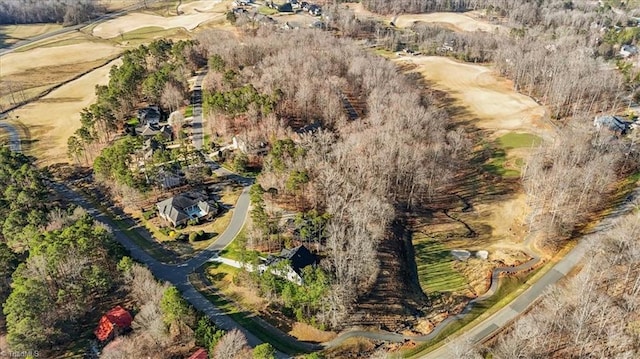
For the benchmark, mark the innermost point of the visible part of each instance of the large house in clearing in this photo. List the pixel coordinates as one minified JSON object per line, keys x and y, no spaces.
{"x":298,"y":258}
{"x":113,"y":323}
{"x":614,"y":124}
{"x":181,"y":208}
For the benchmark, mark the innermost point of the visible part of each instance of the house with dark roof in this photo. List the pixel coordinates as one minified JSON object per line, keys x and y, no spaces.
{"x":149,"y":115}
{"x":296,"y":260}
{"x":614,"y":124}
{"x":113,"y":323}
{"x":184,"y":207}
{"x":151,"y":130}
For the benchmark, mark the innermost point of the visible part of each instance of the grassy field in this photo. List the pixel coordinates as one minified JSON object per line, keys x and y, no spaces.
{"x":435,"y":268}
{"x":501,"y":165}
{"x":245,"y":318}
{"x":510,"y":288}
{"x":146,"y":34}
{"x":264,"y":10}
{"x":519,"y":140}
{"x":10,"y":34}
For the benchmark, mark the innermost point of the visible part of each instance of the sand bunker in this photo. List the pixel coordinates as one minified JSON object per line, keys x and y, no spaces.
{"x":490,"y":100}
{"x":461,"y":254}
{"x":193,"y":14}
{"x":17,"y":62}
{"x":54,"y":118}
{"x":456,"y":21}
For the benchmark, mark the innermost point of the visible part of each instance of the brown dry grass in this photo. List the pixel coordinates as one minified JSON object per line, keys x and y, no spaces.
{"x":195,"y":13}
{"x":454,"y":21}
{"x":14,"y":33}
{"x":305,"y":332}
{"x":54,"y":118}
{"x":490,"y":101}
{"x":470,"y":22}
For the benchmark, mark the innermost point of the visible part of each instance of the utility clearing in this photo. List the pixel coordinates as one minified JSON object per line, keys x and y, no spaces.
{"x":491,"y":214}
{"x":191,"y":16}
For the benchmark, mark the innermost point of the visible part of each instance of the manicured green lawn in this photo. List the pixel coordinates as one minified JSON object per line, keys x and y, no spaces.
{"x":264,"y":10}
{"x":498,"y":165}
{"x":519,"y":140}
{"x":435,"y":268}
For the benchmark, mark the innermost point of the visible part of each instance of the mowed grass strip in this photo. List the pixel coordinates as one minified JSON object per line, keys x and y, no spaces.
{"x":519,"y":140}
{"x":435,"y":268}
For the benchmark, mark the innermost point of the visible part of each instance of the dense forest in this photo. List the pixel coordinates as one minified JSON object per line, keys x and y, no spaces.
{"x":68,"y":12}
{"x":61,"y":270}
{"x":355,"y":173}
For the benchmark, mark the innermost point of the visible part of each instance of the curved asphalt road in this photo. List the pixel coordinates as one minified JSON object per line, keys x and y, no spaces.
{"x":178,"y":274}
{"x":196,"y":102}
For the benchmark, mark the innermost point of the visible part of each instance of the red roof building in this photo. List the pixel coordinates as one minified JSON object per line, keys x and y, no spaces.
{"x":113,"y":323}
{"x":199,"y":354}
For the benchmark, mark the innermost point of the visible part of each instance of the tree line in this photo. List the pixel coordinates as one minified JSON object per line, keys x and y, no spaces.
{"x":68,"y":12}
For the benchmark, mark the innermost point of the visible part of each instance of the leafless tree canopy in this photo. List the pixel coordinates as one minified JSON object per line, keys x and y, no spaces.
{"x":46,"y":11}
{"x":396,"y":154}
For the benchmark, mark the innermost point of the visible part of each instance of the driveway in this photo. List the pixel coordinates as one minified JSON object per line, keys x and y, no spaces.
{"x":196,"y":102}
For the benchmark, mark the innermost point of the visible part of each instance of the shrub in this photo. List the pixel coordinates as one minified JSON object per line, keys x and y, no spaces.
{"x":147,"y":215}
{"x":193,"y":236}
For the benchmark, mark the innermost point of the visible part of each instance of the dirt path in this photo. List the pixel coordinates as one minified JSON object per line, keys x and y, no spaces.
{"x":193,"y":14}
{"x":54,"y":118}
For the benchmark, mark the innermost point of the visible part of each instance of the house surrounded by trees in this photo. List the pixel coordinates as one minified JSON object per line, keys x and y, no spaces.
{"x":289,"y":263}
{"x":184,"y":207}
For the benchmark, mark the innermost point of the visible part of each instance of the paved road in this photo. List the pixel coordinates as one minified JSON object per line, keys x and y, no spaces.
{"x":506,"y":315}
{"x":196,"y":102}
{"x":68,"y":29}
{"x":178,"y":274}
{"x":14,"y":136}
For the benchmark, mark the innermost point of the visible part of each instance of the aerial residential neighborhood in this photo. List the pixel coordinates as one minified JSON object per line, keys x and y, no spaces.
{"x":315,"y":179}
